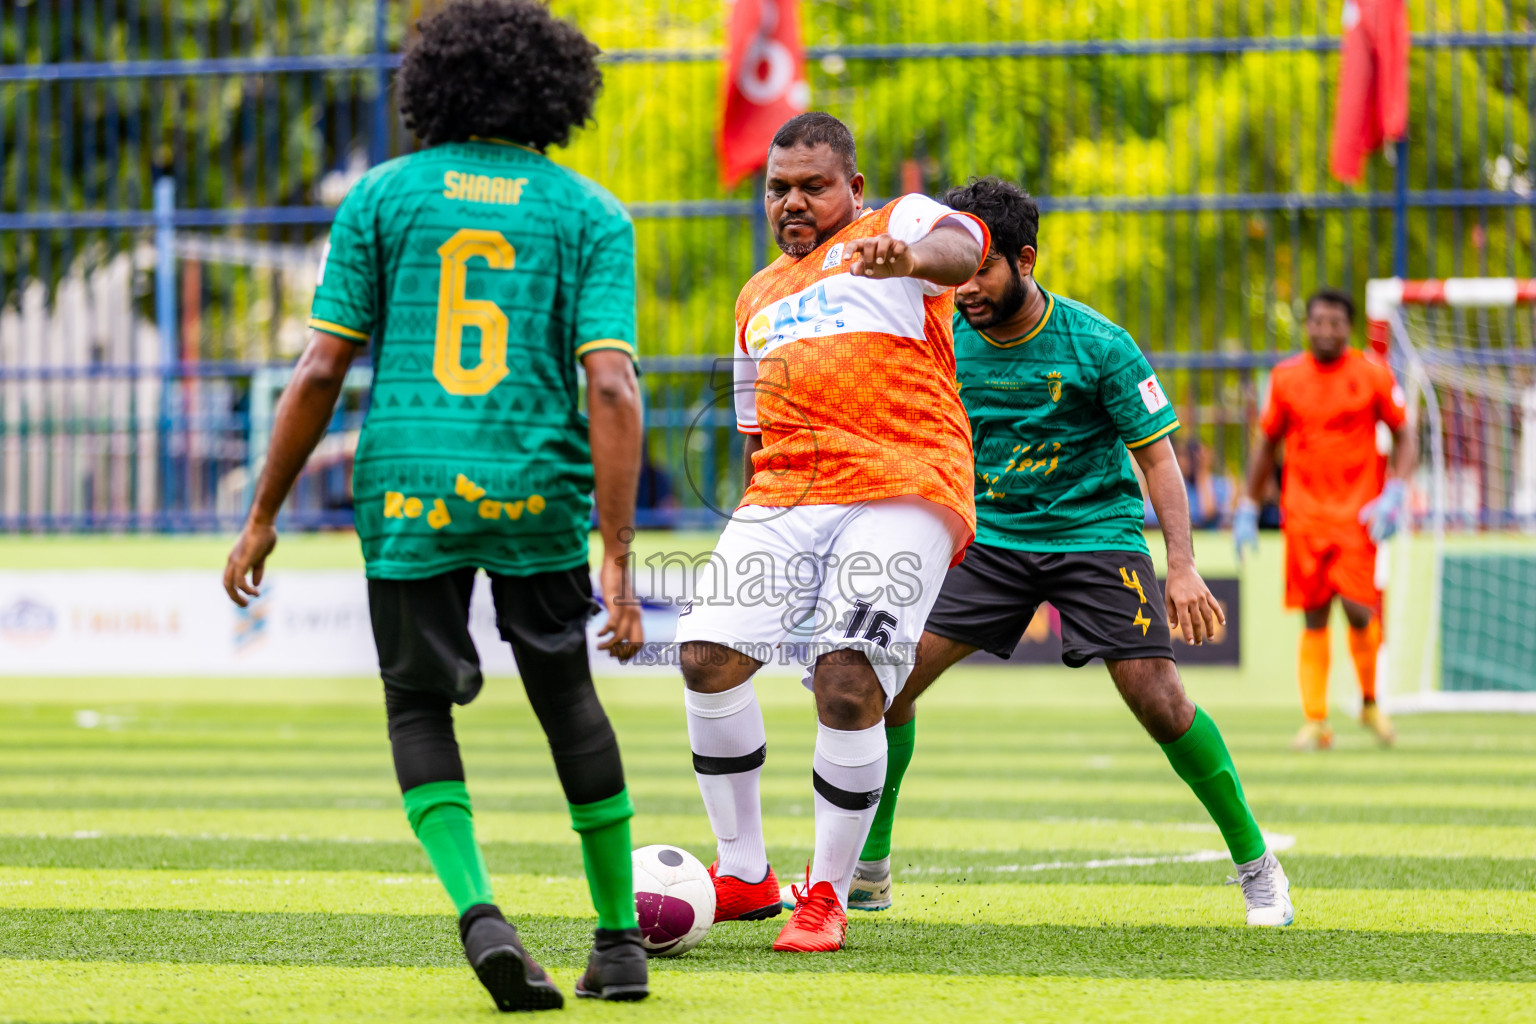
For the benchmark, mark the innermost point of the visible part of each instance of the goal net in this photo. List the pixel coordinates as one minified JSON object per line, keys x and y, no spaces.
{"x":1461,"y":579}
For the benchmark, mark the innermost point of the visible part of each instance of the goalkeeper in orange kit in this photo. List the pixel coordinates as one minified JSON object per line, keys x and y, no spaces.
{"x":1337,"y":501}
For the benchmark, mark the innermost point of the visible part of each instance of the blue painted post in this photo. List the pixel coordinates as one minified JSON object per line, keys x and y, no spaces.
{"x":165,"y":322}
{"x":759,"y":222}
{"x":1400,"y":206}
{"x":378,"y":142}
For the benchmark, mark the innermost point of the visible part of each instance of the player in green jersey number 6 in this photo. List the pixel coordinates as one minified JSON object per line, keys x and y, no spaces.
{"x":1056,"y":394}
{"x":454,"y":265}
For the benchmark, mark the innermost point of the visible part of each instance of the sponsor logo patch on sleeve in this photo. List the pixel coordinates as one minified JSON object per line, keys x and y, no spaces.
{"x":834,"y":257}
{"x":1152,"y":394}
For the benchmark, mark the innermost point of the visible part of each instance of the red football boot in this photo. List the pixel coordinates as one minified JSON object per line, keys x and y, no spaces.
{"x":818,"y":924}
{"x":736,"y":900}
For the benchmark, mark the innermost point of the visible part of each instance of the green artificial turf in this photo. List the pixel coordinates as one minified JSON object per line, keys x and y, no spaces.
{"x":210,"y":851}
{"x":877,"y":945}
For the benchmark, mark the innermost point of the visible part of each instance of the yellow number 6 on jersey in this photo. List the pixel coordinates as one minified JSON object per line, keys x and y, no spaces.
{"x":456,"y":312}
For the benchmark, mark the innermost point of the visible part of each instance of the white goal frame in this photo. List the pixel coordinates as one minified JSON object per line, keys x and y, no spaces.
{"x":1387,"y":332}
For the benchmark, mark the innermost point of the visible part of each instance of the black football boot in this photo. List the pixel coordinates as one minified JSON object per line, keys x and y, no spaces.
{"x":506,"y":970}
{"x":616,"y":969}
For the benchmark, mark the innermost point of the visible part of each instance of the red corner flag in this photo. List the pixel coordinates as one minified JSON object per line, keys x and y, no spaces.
{"x":764,"y":83}
{"x":1372,"y":105}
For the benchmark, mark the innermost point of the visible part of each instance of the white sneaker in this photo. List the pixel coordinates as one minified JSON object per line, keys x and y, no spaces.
{"x":869,"y":891}
{"x":865,"y":893}
{"x":1266,"y":890}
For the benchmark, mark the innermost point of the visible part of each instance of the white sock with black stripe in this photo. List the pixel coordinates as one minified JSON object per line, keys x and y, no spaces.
{"x":729,"y":745}
{"x":848,"y":773}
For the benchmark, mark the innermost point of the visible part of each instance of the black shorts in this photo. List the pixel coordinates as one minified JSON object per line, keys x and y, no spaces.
{"x":421,"y":627}
{"x":1110,"y":604}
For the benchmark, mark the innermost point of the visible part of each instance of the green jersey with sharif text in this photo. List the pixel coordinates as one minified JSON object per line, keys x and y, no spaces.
{"x":480,"y":272}
{"x":1052,"y":416}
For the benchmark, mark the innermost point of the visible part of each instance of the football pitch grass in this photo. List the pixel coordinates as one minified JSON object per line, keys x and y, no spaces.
{"x":183,"y":850}
{"x":243,"y":857}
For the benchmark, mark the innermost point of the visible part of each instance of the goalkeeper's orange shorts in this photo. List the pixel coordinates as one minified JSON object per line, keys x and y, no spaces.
{"x":1320,"y":563}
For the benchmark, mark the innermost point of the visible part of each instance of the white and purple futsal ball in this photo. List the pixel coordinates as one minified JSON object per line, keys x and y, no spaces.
{"x":674,"y":899}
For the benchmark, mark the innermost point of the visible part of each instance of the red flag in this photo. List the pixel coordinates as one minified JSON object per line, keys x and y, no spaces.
{"x":1372,"y":105}
{"x":764,"y":83}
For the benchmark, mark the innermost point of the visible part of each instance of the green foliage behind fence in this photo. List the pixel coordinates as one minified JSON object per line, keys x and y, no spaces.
{"x":1186,"y":184}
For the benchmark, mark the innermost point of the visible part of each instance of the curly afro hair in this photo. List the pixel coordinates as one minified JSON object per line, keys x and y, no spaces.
{"x":1008,"y":211}
{"x":498,"y":68}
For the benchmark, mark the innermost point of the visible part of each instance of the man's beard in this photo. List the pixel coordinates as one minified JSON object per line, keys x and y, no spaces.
{"x":799,"y":250}
{"x":1001,"y":311}
{"x":1329,"y":353}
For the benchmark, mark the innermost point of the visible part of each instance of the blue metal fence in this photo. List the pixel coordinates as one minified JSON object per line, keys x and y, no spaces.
{"x":168,"y":169}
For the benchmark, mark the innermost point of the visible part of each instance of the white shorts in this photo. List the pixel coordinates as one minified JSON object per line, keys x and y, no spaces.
{"x":786,"y":585}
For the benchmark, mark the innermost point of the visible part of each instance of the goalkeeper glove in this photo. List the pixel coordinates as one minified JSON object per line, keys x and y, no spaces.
{"x":1245,"y":527}
{"x":1383,"y":516}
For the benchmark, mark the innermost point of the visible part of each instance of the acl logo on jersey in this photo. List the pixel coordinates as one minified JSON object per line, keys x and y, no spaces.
{"x":782,"y":320}
{"x":840,"y":304}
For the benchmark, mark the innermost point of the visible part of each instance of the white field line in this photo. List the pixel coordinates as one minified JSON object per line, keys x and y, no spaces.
{"x":1177,"y":826}
{"x":211,"y":836}
{"x":1278,"y":842}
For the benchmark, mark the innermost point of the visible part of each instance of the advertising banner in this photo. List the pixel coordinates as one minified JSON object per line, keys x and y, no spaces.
{"x":117,"y":622}
{"x":137,"y":623}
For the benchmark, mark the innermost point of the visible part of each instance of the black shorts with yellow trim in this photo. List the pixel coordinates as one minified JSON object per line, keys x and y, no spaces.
{"x":1110,"y":604}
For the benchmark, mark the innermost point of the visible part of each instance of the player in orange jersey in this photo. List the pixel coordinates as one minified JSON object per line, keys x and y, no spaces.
{"x":859,"y":499}
{"x":1337,"y":501}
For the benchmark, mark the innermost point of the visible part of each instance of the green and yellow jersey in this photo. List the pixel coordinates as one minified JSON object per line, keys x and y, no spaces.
{"x":1052,"y":416}
{"x":481,"y":273}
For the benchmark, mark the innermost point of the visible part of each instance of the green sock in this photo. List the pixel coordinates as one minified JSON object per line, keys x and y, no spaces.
{"x":440,"y":816}
{"x":1201,"y":759}
{"x":605,"y":853}
{"x":900,"y":740}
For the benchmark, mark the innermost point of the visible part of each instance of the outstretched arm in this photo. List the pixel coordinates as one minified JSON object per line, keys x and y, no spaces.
{"x":947,"y":255}
{"x":614,"y":429}
{"x":303,"y":412}
{"x":1192,"y":609}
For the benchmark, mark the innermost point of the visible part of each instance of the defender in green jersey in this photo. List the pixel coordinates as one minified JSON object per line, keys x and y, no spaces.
{"x":481,"y":276}
{"x":1052,"y":413}
{"x":1060,"y":401}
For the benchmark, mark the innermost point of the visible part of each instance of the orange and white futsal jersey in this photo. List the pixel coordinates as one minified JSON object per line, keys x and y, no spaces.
{"x":851,"y":380}
{"x":861,"y":497}
{"x":1326,"y":414}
